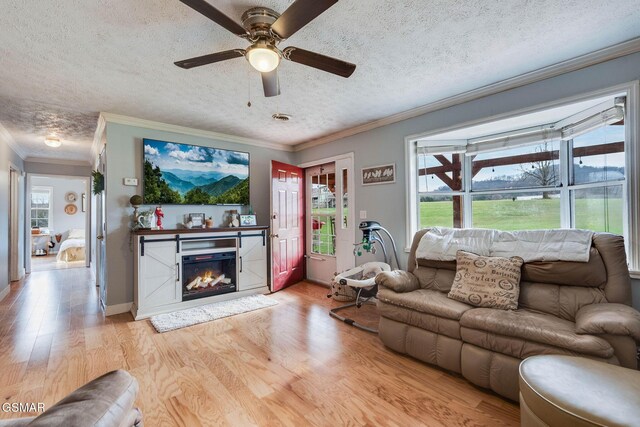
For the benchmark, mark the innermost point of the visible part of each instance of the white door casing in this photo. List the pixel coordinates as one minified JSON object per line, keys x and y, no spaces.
{"x":321,"y":267}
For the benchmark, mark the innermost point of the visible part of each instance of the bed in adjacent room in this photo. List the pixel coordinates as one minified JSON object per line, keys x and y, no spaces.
{"x":73,"y":248}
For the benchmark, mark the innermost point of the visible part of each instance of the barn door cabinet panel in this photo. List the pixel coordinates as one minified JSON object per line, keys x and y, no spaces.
{"x":252,"y":263}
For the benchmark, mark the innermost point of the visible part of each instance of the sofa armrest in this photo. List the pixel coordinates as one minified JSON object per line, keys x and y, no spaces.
{"x":398,"y":281}
{"x":105,"y":401}
{"x":608,"y":318}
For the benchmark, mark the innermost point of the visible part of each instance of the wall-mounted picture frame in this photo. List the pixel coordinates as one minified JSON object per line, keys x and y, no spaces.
{"x":197,"y":220}
{"x":248,"y":220}
{"x":383,"y":174}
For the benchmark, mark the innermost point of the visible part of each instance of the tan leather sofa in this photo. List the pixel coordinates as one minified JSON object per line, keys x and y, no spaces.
{"x":570,"y":308}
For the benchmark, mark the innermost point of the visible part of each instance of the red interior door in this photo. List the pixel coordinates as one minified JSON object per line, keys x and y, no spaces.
{"x":287,"y":225}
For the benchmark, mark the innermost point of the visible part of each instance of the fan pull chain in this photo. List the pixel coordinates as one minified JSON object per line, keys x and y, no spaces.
{"x":249,"y":87}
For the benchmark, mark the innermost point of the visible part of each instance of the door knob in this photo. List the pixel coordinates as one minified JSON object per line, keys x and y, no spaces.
{"x":274,"y":235}
{"x":100,"y":237}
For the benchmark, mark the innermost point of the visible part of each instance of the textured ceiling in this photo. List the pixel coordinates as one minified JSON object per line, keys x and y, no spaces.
{"x":63,"y":62}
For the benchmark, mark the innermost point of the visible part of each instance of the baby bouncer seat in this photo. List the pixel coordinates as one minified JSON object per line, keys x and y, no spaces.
{"x":360,"y":282}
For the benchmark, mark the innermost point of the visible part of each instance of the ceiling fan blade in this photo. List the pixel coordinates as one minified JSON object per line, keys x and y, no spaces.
{"x":299,"y":14}
{"x":270,"y":83}
{"x":321,"y":62}
{"x":216,"y":16}
{"x":210,"y":59}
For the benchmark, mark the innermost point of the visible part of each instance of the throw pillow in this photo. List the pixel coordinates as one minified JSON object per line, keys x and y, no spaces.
{"x":482,"y":281}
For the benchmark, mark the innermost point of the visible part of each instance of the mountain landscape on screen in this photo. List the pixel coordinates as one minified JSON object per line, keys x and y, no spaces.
{"x":194,"y":175}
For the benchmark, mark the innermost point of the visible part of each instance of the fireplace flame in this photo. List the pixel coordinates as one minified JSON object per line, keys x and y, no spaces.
{"x":208,"y":280}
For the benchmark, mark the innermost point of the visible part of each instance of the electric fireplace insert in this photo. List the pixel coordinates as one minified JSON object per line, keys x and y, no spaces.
{"x":204,"y":275}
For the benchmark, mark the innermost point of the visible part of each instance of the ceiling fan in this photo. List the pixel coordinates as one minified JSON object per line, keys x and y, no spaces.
{"x":265,"y":29}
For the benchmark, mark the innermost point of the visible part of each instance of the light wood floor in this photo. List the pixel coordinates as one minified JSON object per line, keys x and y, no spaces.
{"x":290,"y":364}
{"x":49,"y":262}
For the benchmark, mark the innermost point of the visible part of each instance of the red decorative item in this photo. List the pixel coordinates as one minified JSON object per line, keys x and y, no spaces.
{"x":159,"y":215}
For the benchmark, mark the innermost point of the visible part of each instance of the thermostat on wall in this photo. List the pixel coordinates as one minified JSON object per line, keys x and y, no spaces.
{"x":131,"y":181}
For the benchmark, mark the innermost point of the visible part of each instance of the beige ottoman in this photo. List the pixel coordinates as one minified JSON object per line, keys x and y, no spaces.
{"x":574,"y":391}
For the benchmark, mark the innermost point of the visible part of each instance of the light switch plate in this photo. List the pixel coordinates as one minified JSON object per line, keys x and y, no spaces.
{"x":131,"y":181}
{"x":363,"y":214}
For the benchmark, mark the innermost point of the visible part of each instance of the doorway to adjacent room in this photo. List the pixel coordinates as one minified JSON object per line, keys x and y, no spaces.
{"x":58,"y":215}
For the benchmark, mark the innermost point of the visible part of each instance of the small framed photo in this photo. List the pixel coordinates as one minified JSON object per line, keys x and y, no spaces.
{"x":197,"y":220}
{"x":384,"y":174}
{"x":247,"y":220}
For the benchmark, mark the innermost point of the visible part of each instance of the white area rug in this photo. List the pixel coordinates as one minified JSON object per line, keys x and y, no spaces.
{"x":192,"y":316}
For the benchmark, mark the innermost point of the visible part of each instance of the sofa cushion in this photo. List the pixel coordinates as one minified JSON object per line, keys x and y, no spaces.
{"x":537,"y":327}
{"x":426,"y":301}
{"x":487,"y":281}
{"x":519,"y":347}
{"x":438,"y":279}
{"x":436,"y":324}
{"x":585,"y":274}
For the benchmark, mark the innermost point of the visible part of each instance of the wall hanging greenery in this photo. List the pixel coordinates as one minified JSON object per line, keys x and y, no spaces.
{"x":98,"y":182}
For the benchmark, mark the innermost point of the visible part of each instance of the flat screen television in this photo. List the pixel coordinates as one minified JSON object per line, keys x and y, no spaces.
{"x":181,"y":174}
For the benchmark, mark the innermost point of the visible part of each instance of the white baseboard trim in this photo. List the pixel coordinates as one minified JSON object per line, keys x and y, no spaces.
{"x":110,"y":310}
{"x":4,"y":292}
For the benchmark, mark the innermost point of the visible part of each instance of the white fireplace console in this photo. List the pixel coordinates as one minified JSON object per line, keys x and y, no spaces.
{"x":166,"y":262}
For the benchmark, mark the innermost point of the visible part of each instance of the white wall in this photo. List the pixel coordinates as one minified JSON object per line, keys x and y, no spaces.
{"x":124,"y":160}
{"x":7,"y":156}
{"x":387,"y":203}
{"x":61,"y":221}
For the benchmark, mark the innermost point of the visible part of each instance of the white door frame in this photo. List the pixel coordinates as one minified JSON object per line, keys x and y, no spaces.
{"x":344,"y":241}
{"x":16,"y":271}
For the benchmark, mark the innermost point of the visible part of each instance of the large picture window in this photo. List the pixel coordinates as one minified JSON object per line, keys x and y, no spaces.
{"x":570,"y":173}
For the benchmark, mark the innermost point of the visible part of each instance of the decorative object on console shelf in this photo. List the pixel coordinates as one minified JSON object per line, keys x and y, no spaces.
{"x":209,"y":222}
{"x":196,"y":220}
{"x":144,"y":220}
{"x":233,"y":219}
{"x":135,"y":201}
{"x":248,"y":220}
{"x":385,"y":174}
{"x":159,"y":215}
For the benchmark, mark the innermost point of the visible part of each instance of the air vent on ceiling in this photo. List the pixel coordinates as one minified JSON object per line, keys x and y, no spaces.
{"x":280,"y":117}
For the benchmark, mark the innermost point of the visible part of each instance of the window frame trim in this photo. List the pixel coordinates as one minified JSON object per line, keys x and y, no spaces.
{"x":36,"y":189}
{"x":631,"y":214}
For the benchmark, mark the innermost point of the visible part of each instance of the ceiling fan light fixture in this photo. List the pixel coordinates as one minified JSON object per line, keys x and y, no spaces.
{"x":52,"y":142}
{"x":264,"y":58}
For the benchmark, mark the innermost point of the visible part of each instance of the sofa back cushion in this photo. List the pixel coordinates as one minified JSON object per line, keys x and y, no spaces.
{"x":560,"y":288}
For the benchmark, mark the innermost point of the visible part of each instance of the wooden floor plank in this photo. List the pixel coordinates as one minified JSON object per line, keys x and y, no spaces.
{"x":290,"y":364}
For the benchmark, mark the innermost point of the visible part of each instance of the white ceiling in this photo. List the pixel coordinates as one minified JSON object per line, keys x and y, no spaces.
{"x":64,"y":62}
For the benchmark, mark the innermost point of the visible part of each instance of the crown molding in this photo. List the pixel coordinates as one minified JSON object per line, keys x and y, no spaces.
{"x":149,"y":124}
{"x":54,"y":161}
{"x":599,"y":56}
{"x":6,"y":137}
